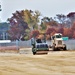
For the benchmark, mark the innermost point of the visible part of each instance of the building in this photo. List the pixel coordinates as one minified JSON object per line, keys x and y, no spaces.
{"x":4,"y":27}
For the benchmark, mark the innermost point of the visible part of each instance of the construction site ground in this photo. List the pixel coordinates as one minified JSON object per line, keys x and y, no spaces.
{"x":25,"y":63}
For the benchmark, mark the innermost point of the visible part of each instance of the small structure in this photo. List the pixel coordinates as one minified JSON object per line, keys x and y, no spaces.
{"x":4,"y":27}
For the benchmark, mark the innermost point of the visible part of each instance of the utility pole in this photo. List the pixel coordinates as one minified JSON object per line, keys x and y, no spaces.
{"x":0,"y":8}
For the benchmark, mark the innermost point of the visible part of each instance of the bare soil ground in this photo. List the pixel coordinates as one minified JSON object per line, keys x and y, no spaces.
{"x":54,"y":63}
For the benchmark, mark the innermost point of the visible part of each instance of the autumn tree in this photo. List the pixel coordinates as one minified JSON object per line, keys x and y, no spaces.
{"x":71,"y":16}
{"x":17,"y":25}
{"x":50,"y":32}
{"x":73,"y":35}
{"x":32,"y":18}
{"x":44,"y":23}
{"x":24,"y":22}
{"x":73,"y":30}
{"x":34,"y":33}
{"x":61,"y":18}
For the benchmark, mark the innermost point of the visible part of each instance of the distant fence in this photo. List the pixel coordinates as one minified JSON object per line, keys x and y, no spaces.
{"x":14,"y":44}
{"x":27,"y":44}
{"x":24,"y":43}
{"x":69,"y":43}
{"x":8,"y":46}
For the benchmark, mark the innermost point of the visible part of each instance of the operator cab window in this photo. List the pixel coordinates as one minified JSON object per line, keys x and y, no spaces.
{"x":58,"y":36}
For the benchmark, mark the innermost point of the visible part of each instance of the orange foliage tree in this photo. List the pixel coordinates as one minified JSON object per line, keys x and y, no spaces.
{"x":34,"y":33}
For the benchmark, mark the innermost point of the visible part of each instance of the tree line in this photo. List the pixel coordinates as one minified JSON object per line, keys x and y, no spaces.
{"x":26,"y":24}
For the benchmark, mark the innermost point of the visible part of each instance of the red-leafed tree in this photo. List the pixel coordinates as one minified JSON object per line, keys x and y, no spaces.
{"x":73,"y":35}
{"x":71,"y":17}
{"x":17,"y":25}
{"x":73,"y":30}
{"x":60,"y":30}
{"x":50,"y":31}
{"x":34,"y":33}
{"x":24,"y":22}
{"x":67,"y":32}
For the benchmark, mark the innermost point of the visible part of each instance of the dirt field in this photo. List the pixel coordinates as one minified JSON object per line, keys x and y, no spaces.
{"x":54,"y":63}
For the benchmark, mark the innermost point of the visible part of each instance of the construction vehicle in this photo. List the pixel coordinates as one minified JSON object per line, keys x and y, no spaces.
{"x":57,"y":42}
{"x":39,"y":46}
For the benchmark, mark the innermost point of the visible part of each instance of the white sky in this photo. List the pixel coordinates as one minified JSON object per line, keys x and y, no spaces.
{"x":47,"y":7}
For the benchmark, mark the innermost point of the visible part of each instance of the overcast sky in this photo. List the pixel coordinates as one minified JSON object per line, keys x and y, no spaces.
{"x":47,"y":7}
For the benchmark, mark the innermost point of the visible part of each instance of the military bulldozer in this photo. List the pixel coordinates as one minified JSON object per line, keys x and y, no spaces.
{"x":57,"y":42}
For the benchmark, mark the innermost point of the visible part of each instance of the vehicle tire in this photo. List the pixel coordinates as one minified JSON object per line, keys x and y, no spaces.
{"x":34,"y":53}
{"x":65,"y":48}
{"x":54,"y":49}
{"x":50,"y":46}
